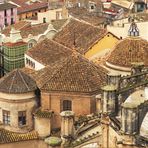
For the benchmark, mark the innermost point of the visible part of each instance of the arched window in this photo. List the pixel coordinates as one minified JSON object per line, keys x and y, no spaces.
{"x":67,"y":105}
{"x":30,"y":45}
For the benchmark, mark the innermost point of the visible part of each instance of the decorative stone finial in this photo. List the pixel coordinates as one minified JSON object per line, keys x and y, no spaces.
{"x":15,"y":35}
{"x":133,"y":30}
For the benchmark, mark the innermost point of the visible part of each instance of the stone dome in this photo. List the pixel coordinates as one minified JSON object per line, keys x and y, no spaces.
{"x":129,"y":50}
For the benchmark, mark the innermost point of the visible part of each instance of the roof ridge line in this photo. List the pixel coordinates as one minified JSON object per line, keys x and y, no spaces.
{"x":23,"y":79}
{"x":54,"y":41}
{"x":25,"y":25}
{"x":58,"y":69}
{"x":83,"y":21}
{"x":66,"y":23}
{"x":62,"y":65}
{"x":12,"y":82}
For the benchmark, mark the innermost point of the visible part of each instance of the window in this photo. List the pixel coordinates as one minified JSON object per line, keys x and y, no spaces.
{"x":30,"y":63}
{"x":12,"y":21}
{"x":30,"y":45}
{"x":58,"y":15}
{"x":11,"y":11}
{"x":6,"y":117}
{"x":44,"y":20}
{"x":92,"y":7}
{"x":21,"y":118}
{"x":5,"y":12}
{"x":67,"y":105}
{"x":6,"y":22}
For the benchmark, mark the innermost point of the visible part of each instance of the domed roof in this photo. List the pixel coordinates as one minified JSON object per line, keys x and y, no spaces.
{"x":130,"y":50}
{"x":17,"y":82}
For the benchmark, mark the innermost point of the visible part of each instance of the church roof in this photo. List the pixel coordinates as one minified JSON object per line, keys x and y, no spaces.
{"x":128,"y":51}
{"x":74,"y":74}
{"x":17,"y":82}
{"x":79,"y":35}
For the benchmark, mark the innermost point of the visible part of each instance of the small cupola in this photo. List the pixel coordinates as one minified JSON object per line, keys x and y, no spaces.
{"x":133,"y":30}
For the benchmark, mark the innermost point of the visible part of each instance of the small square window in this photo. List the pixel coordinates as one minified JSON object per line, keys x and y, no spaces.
{"x":67,"y":105}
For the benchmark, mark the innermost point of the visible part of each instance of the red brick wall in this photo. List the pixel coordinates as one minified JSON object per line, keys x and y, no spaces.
{"x":81,"y":104}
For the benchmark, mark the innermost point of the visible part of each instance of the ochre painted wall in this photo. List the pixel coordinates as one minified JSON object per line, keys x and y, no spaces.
{"x":102,"y":47}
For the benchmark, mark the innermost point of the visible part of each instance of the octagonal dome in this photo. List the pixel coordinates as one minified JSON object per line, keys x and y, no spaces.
{"x":17,"y":82}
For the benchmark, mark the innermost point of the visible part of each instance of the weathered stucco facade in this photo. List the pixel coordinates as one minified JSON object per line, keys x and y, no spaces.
{"x":17,"y":102}
{"x":14,"y":103}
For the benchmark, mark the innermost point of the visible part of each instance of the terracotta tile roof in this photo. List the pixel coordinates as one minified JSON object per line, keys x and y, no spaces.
{"x":79,"y":35}
{"x":17,"y":82}
{"x":84,"y":2}
{"x":6,"y":6}
{"x":43,"y":113}
{"x":28,"y":71}
{"x":18,"y":26}
{"x":84,"y":14}
{"x":9,"y":44}
{"x":34,"y":30}
{"x":129,"y":50}
{"x":57,"y":24}
{"x":9,"y":137}
{"x":49,"y":52}
{"x":74,"y":74}
{"x":26,"y":28}
{"x":26,"y":7}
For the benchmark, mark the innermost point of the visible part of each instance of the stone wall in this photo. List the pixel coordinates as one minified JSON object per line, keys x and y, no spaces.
{"x":16,"y":105}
